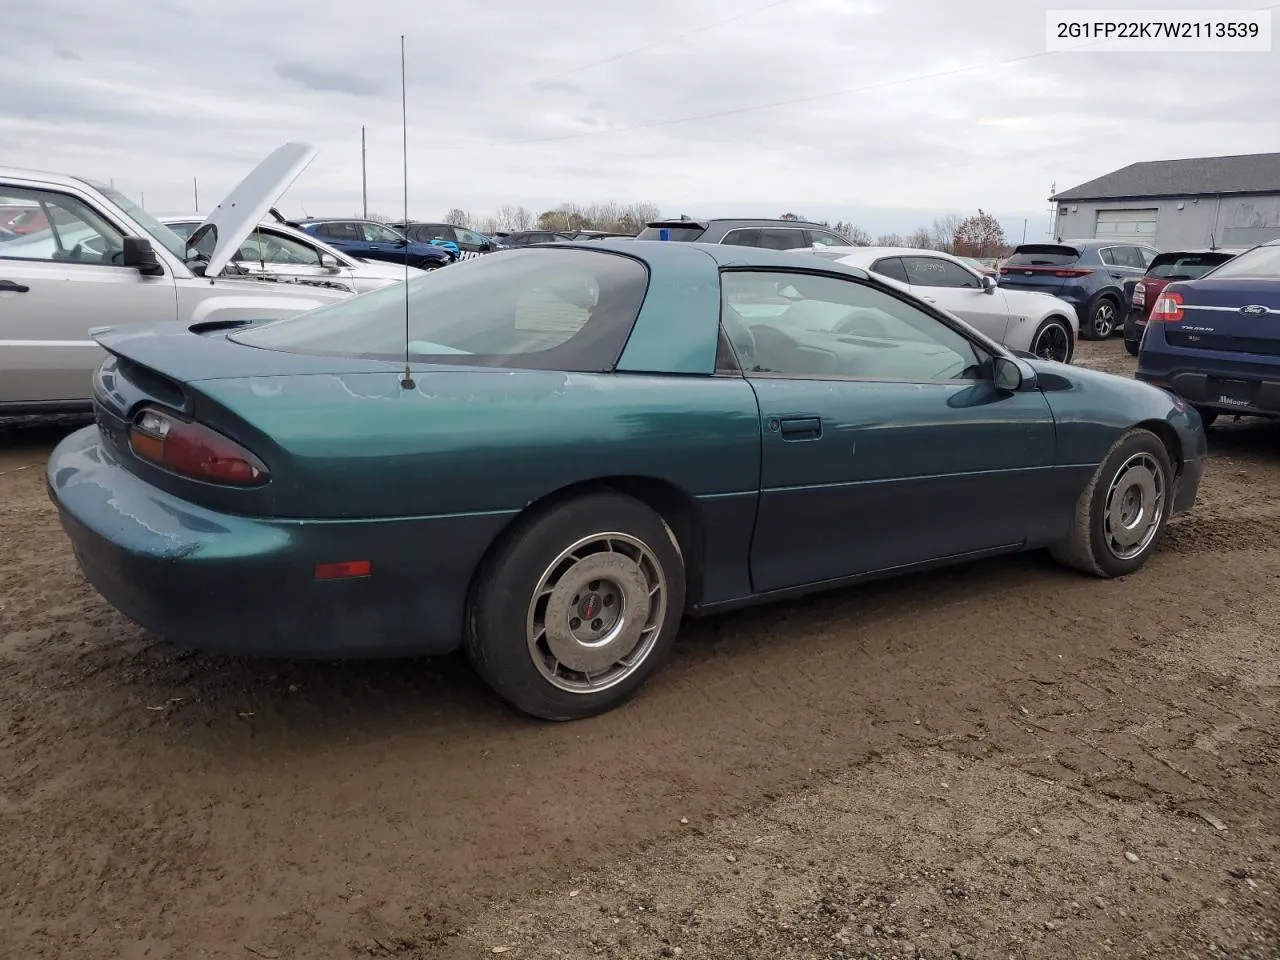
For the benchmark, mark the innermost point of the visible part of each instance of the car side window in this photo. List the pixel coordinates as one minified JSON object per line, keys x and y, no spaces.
{"x":892,"y":268}
{"x":742,"y":237}
{"x":340,"y":230}
{"x":273,"y":248}
{"x":936,"y":272}
{"x":377,"y":233}
{"x":827,"y":239}
{"x":1130,"y":257}
{"x":468,"y":236}
{"x":813,"y":326}
{"x":1147,"y":255}
{"x":1108,"y":256}
{"x":66,"y":230}
{"x":782,"y":238}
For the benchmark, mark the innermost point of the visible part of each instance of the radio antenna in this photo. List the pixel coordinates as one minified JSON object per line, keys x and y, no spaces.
{"x":406,"y":380}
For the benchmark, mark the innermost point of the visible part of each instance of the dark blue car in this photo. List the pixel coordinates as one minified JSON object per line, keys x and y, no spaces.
{"x":371,"y":240}
{"x":1088,"y":274}
{"x":1215,"y":341}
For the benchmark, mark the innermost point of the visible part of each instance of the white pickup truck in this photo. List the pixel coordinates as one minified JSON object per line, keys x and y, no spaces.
{"x":93,"y":258}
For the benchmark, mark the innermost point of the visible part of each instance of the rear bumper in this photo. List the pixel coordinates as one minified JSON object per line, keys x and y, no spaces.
{"x":1211,"y":380}
{"x":246,"y":585}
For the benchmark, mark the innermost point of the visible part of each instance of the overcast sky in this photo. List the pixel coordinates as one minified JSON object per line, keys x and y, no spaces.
{"x":536,"y":102}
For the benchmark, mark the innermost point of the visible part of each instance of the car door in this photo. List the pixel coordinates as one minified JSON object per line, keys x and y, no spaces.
{"x":958,"y":290}
{"x":885,"y":443}
{"x":57,"y":282}
{"x":345,"y":235}
{"x":470,"y":243}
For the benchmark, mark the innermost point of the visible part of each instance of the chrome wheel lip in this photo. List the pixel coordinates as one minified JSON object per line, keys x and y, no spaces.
{"x":1042,"y":351}
{"x":1134,"y":507}
{"x":588,"y":661}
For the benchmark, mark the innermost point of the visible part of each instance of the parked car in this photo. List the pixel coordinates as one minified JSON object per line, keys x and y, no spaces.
{"x":276,"y":251}
{"x":768,"y":234}
{"x":1141,"y":295}
{"x":1215,"y":341}
{"x":370,"y":240}
{"x":465,"y":243}
{"x":589,"y":441}
{"x":104,"y":260}
{"x":983,"y":268}
{"x":601,"y":235}
{"x":1088,"y":274}
{"x":527,"y":238}
{"x":1036,"y":323}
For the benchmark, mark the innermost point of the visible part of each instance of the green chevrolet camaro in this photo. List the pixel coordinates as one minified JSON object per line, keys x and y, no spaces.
{"x":548,"y":456}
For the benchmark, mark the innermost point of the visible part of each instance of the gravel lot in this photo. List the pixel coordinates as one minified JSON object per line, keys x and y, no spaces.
{"x":1002,"y":760}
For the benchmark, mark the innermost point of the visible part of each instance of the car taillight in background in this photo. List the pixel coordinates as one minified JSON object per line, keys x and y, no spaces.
{"x":1073,"y":272}
{"x":1055,"y":271}
{"x":193,"y":450}
{"x":1140,"y":294}
{"x":1167,"y":309}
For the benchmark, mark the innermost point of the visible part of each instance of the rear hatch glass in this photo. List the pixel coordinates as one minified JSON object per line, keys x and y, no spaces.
{"x":1185,"y":266}
{"x":687,"y":232}
{"x":1038,"y":266}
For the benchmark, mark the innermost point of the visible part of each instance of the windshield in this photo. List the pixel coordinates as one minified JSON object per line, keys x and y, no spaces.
{"x":1185,"y":266}
{"x":547,"y":309}
{"x":1262,"y":263}
{"x":158,"y":231}
{"x":676,"y":233}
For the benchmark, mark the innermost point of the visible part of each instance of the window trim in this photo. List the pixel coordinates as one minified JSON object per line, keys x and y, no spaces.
{"x":986,"y":350}
{"x":106,"y":217}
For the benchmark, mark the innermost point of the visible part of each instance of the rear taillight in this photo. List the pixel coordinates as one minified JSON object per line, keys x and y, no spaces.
{"x":1167,"y":309}
{"x":193,"y":450}
{"x":1004,"y":271}
{"x":1140,"y":294}
{"x":1073,"y":272}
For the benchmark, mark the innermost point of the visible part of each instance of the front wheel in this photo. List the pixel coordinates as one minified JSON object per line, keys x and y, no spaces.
{"x":578,"y":607}
{"x":430,"y":265}
{"x":1120,"y":517}
{"x":1101,"y":322}
{"x":1053,"y":341}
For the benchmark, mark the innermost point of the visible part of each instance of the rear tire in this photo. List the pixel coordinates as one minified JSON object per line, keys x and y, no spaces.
{"x":1121,"y":515}
{"x":430,"y":265}
{"x":1102,"y":320}
{"x":1053,"y":341}
{"x":1132,"y":347}
{"x":578,"y":607}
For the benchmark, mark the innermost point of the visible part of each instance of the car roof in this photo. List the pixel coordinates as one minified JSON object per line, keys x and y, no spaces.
{"x":59,"y":179}
{"x":725,"y":255}
{"x":743,"y":221}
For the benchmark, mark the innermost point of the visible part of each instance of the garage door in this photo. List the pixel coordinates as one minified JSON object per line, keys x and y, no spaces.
{"x":1138,"y":226}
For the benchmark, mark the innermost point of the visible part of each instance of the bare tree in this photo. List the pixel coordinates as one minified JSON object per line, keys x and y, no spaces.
{"x":921,"y":239}
{"x":890,"y":240}
{"x":980,"y":236}
{"x":944,"y":232}
{"x":378,"y":217}
{"x":792,"y":216}
{"x":514,"y":218}
{"x":458,"y":217}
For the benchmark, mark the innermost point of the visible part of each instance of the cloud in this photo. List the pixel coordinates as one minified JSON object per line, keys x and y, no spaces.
{"x":332,"y":81}
{"x":831,"y":107}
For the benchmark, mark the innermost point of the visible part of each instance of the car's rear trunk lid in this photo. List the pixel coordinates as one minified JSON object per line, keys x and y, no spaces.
{"x":1233,"y":315}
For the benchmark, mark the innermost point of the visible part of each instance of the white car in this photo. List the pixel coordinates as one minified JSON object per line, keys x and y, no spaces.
{"x":276,"y":251}
{"x":1035,"y":323}
{"x":102,"y":260}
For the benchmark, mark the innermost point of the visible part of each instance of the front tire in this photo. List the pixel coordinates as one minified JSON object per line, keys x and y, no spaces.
{"x":1121,"y":515}
{"x":430,"y":265}
{"x":1132,"y":346}
{"x":1053,"y":341}
{"x":1102,"y":320}
{"x":578,"y":607}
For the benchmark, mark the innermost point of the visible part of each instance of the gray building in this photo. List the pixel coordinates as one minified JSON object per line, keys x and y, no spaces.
{"x":1172,"y":204}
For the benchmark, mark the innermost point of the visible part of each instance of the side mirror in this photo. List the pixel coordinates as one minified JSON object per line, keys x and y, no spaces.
{"x":988,"y":283}
{"x":1012,"y":375}
{"x":329,"y":264}
{"x":137,"y":252}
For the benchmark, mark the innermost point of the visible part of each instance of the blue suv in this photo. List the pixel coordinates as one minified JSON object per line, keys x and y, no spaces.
{"x":1088,"y":274}
{"x":370,"y":240}
{"x":1215,"y":341}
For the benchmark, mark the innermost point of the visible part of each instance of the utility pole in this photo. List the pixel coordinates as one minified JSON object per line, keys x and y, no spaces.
{"x":143,"y":197}
{"x":1024,"y":229}
{"x":364,"y":175}
{"x":195,"y":190}
{"x":1053,"y":209}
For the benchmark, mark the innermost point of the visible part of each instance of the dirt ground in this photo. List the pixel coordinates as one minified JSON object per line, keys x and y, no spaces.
{"x":1001,"y":760}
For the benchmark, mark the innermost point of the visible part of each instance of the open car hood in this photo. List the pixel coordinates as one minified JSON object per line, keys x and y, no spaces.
{"x":236,"y":216}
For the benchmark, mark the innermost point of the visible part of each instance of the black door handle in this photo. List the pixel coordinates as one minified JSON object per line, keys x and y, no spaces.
{"x":800,"y":428}
{"x":8,"y":286}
